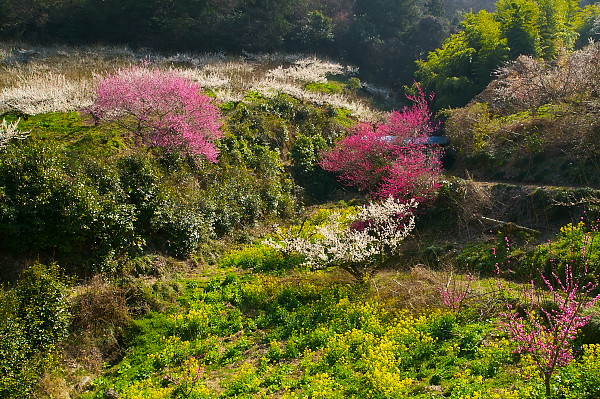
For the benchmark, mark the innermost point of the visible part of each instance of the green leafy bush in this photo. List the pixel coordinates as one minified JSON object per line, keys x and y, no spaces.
{"x":34,"y":322}
{"x":109,"y":211}
{"x":240,"y":198}
{"x":305,"y":154}
{"x":577,"y":246}
{"x":49,"y":204}
{"x":43,"y":308}
{"x":19,"y":369}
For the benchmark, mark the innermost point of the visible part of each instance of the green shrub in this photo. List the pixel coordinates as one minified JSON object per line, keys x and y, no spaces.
{"x":48,"y":204}
{"x":19,"y":368}
{"x":260,"y":258}
{"x":140,"y":182}
{"x":442,"y":328}
{"x":316,"y":181}
{"x":506,"y":254}
{"x":165,"y":220}
{"x":577,"y":246}
{"x":240,"y":198}
{"x":180,"y":229}
{"x":34,"y":322}
{"x":43,"y":308}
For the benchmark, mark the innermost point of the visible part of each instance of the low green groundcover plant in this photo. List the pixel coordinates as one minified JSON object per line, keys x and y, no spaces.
{"x":309,"y":335}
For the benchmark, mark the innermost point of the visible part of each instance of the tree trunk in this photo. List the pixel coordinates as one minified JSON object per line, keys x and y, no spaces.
{"x":547,"y":383}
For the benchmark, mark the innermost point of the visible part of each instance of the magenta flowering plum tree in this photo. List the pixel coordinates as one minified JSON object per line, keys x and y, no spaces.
{"x":393,"y":158}
{"x":361,"y":158}
{"x":161,"y":109}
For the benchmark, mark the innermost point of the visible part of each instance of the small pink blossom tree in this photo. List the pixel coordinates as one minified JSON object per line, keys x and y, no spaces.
{"x":455,"y":294}
{"x":161,"y":109}
{"x":547,"y":334}
{"x":393,"y":158}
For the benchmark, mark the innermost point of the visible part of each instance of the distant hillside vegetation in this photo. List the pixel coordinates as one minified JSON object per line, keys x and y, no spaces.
{"x":382,"y":37}
{"x":465,"y":64}
{"x":537,"y":122}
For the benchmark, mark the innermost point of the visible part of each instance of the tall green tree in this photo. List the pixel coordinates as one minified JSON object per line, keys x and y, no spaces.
{"x":378,"y":39}
{"x":589,"y":27}
{"x":465,"y":63}
{"x":520,"y":22}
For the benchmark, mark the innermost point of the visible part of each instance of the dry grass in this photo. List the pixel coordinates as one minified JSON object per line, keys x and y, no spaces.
{"x":53,"y":386}
{"x":470,"y":200}
{"x":418,"y":290}
{"x":415,"y":290}
{"x":100,"y":317}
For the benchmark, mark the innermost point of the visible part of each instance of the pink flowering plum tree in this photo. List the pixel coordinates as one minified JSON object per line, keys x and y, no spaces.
{"x":160,"y":109}
{"x":456,"y":293}
{"x":392,"y":158}
{"x":547,"y":333}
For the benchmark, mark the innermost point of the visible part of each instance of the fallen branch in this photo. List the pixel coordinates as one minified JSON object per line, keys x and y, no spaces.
{"x":509,"y":226}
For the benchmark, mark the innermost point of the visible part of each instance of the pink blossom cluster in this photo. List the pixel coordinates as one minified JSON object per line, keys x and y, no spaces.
{"x":390,"y":159}
{"x":161,"y":109}
{"x":547,"y":334}
{"x":454,"y":294}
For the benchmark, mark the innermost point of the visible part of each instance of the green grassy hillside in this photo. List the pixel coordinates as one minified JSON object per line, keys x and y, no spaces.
{"x":135,"y":271}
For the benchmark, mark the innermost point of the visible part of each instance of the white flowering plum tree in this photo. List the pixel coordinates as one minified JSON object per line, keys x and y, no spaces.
{"x":358,"y":240}
{"x":9,"y":131}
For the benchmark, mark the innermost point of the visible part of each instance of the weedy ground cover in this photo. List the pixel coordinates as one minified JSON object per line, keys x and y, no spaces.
{"x":312,"y":334}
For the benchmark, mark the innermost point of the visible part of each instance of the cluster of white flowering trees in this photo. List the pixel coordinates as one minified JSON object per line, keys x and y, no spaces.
{"x":357,"y":240}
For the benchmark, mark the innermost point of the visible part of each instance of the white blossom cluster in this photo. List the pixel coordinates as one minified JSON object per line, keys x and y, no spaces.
{"x":291,"y":80}
{"x":271,"y":87}
{"x":36,"y":80}
{"x":47,"y":92}
{"x":207,"y":79}
{"x":306,"y":70}
{"x":9,"y":131}
{"x":357,"y":242}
